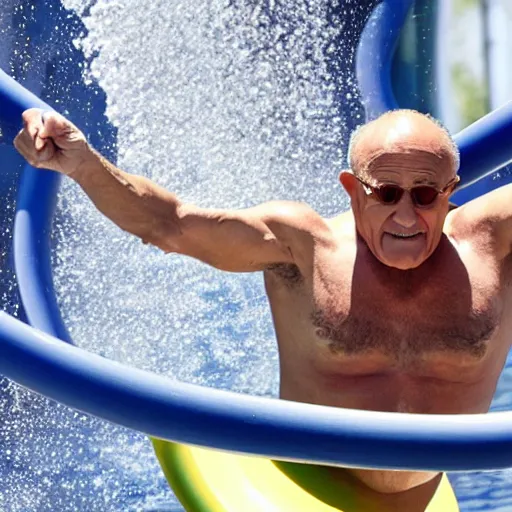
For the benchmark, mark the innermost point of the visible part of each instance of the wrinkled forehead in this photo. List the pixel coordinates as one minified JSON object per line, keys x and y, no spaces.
{"x":415,"y":140}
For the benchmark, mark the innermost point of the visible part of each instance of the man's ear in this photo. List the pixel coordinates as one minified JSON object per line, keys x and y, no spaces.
{"x":348,"y":181}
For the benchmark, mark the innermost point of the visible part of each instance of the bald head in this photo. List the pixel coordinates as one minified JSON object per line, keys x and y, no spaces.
{"x":400,"y":131}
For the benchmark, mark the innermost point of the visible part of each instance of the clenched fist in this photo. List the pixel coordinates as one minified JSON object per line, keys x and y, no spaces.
{"x":50,"y":141}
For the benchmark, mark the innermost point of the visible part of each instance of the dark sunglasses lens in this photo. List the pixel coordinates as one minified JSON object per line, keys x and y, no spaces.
{"x":389,"y":194}
{"x":424,"y":196}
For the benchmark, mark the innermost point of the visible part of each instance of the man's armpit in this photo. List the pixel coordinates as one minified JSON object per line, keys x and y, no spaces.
{"x":289,"y":273}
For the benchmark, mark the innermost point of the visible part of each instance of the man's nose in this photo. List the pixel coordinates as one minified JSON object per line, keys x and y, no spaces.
{"x":405,"y":213}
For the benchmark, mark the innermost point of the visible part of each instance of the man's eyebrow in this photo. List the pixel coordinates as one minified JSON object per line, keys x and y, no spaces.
{"x":424,"y":181}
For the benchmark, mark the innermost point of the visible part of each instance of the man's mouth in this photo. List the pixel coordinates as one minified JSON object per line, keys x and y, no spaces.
{"x":406,"y":236}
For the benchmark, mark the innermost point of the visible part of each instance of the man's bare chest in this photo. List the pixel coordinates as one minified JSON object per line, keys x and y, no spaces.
{"x":405,"y":332}
{"x":407,"y":317}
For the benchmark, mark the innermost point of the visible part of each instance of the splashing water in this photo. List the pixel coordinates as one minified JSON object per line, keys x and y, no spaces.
{"x":227,"y":104}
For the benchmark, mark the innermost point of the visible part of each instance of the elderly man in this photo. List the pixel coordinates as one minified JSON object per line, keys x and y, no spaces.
{"x":400,"y":304}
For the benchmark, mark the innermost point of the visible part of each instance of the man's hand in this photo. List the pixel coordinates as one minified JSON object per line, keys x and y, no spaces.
{"x":50,"y":141}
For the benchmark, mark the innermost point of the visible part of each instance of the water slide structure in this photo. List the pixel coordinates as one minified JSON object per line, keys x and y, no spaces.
{"x":37,"y":351}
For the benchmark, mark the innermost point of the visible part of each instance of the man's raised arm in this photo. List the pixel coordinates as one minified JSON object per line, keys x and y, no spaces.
{"x":491,"y":214}
{"x":235,"y":240}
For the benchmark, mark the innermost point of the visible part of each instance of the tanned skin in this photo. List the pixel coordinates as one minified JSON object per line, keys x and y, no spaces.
{"x":364,"y":318}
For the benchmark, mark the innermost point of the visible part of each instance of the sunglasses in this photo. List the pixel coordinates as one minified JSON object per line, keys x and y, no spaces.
{"x":422,"y":196}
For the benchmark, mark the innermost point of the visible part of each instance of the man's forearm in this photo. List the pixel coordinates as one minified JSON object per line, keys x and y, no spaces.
{"x":134,"y":203}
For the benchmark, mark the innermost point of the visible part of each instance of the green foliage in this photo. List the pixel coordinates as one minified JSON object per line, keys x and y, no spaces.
{"x":469,"y":93}
{"x":459,"y":6}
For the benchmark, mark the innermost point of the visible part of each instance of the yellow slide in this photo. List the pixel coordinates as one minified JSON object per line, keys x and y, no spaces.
{"x":206,"y":480}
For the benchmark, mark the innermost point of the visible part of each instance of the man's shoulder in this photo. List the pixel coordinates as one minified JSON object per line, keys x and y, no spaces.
{"x":296,"y":216}
{"x":290,"y":210}
{"x":343,"y":223}
{"x":486,"y":217}
{"x":463,"y":221}
{"x":486,"y":209}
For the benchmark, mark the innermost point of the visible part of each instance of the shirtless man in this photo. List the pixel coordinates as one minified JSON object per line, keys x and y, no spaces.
{"x":400,"y":304}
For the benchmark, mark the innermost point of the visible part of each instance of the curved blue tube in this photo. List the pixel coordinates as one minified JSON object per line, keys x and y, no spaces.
{"x":15,"y":99}
{"x":186,"y":413}
{"x":486,"y":145}
{"x":375,"y":53}
{"x":34,"y":269}
{"x":273,"y":428}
